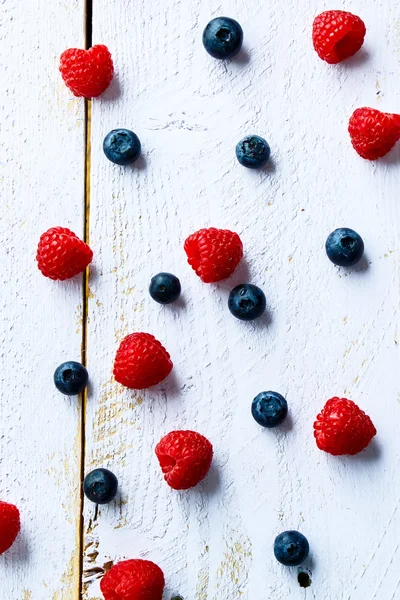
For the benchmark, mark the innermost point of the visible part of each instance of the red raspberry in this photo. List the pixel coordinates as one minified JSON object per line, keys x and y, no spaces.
{"x":10,"y":525}
{"x":337,"y":35}
{"x":214,"y":253}
{"x":133,"y":580}
{"x":343,"y":428}
{"x":61,"y":254}
{"x":87,"y":73}
{"x":373,"y":133}
{"x":141,"y":361}
{"x":185,"y":458}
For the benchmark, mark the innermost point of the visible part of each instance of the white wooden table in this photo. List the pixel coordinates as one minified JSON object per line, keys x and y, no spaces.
{"x":330,"y":331}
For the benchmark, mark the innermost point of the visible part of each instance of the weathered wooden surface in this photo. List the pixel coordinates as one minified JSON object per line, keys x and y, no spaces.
{"x":329,"y":331}
{"x":41,"y":175}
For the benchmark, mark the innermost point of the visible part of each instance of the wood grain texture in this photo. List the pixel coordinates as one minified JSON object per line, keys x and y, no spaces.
{"x":328,"y":331}
{"x":42,"y":181}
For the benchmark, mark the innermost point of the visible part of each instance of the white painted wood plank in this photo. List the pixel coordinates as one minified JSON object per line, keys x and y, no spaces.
{"x":42,"y":177}
{"x":331,"y":332}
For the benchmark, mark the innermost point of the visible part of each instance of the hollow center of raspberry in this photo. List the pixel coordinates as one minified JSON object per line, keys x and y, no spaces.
{"x":223,"y":34}
{"x":167,"y":463}
{"x":347,"y":242}
{"x":347,"y":46}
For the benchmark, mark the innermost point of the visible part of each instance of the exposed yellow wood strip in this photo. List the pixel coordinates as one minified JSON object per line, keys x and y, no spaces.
{"x":86,"y":292}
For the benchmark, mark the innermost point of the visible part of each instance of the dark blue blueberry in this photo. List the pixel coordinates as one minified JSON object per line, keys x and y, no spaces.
{"x":165,"y":288}
{"x":100,"y":486}
{"x":71,"y":378}
{"x":223,"y":37}
{"x":246,"y":302}
{"x":291,"y":548}
{"x":122,"y":146}
{"x":344,"y":247}
{"x":269,"y":409}
{"x":253,"y":152}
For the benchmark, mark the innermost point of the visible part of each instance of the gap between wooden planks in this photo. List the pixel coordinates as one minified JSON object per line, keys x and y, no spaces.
{"x":85,"y":299}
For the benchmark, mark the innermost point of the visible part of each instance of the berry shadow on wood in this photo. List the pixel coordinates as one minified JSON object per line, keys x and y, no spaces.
{"x":171,"y":387}
{"x":243,"y":58}
{"x":211,"y":483}
{"x":177,"y":306}
{"x":19,"y":553}
{"x":358,"y":60}
{"x":113,"y":92}
{"x":361,"y":267}
{"x":269,"y":168}
{"x":263,"y":173}
{"x":392,"y":158}
{"x":90,"y":390}
{"x":241,"y":275}
{"x":94,"y":274}
{"x":140,"y":164}
{"x":371,"y":454}
{"x":307,"y":568}
{"x":262,"y":322}
{"x":286,"y":426}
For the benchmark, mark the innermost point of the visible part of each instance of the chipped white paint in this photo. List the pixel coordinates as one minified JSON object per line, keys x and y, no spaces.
{"x":41,"y":174}
{"x":329,"y":331}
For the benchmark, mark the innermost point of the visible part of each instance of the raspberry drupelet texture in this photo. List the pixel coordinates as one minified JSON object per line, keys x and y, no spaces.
{"x":87,"y":73}
{"x":10,"y":525}
{"x":61,"y":254}
{"x":185,"y":458}
{"x":337,"y":35}
{"x":133,"y":580}
{"x":214,"y":253}
{"x":373,"y":133}
{"x":343,"y":428}
{"x":141,"y":361}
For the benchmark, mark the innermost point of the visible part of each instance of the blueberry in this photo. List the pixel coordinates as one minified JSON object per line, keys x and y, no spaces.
{"x":122,"y":146}
{"x":165,"y":288}
{"x":100,"y":486}
{"x":344,"y":247}
{"x":223,"y":37}
{"x":71,"y":378}
{"x":291,"y":548}
{"x":247,"y":302}
{"x":269,"y":409}
{"x":253,"y":152}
